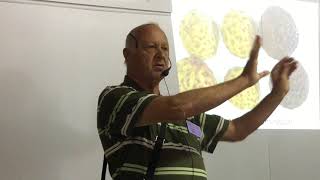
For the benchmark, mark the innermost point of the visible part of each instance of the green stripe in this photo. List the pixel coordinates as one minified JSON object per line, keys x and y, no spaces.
{"x":100,"y":131}
{"x":181,"y":173}
{"x":111,"y":88}
{"x":133,"y":170}
{"x":178,"y":128}
{"x":119,"y":105}
{"x":186,"y":173}
{"x":134,"y":110}
{"x":135,"y":166}
{"x":117,"y":108}
{"x":181,"y":169}
{"x":126,"y":98}
{"x":202,"y":123}
{"x":165,"y":170}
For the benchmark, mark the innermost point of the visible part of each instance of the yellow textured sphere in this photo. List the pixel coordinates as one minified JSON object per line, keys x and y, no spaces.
{"x":248,"y":98}
{"x":199,"y":35}
{"x":194,"y":74}
{"x":238,"y":32}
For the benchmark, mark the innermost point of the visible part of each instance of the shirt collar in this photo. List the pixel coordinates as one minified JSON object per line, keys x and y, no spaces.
{"x":131,"y":83}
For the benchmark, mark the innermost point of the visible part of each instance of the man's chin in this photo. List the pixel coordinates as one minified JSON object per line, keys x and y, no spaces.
{"x":157,"y":76}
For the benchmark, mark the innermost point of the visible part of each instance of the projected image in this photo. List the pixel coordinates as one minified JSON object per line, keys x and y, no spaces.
{"x":199,"y":35}
{"x":213,"y":43}
{"x":299,"y":89}
{"x":280,"y":37}
{"x":246,"y":99}
{"x":238,"y":32}
{"x":193,"y":73}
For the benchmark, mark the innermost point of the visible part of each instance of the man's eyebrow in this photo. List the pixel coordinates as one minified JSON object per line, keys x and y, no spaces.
{"x":149,"y":42}
{"x":155,"y":42}
{"x":166,"y":44}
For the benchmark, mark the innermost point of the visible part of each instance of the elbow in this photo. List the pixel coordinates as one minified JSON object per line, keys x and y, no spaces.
{"x":241,"y":137}
{"x":237,"y":138}
{"x":239,"y":133}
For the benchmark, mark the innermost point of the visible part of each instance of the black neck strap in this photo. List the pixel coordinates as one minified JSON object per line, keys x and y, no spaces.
{"x":156,"y":152}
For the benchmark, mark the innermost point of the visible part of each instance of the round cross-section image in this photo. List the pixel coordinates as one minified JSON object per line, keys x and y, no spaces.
{"x":238,"y":32}
{"x":199,"y":35}
{"x":279,"y":33}
{"x":248,"y":98}
{"x":194,"y":74}
{"x":299,"y":88}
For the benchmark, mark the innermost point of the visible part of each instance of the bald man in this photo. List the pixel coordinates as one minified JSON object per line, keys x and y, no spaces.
{"x":130,"y":114}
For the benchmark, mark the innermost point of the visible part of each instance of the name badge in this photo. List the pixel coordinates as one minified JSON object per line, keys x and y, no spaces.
{"x":194,"y":129}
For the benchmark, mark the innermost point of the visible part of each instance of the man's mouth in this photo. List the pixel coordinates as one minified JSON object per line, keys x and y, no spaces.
{"x":159,"y":67}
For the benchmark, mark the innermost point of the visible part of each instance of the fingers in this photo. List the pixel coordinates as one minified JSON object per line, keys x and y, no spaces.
{"x":255,"y":48}
{"x":284,"y":60}
{"x":293,"y":67}
{"x":289,"y":65}
{"x":280,"y":65}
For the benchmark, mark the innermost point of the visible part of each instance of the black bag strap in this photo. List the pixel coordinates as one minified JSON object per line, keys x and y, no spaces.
{"x":156,"y":152}
{"x":104,"y":167}
{"x":155,"y":155}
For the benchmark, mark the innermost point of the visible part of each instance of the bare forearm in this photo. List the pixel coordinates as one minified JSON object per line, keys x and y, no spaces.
{"x":250,"y":121}
{"x":200,"y":100}
{"x":190,"y":103}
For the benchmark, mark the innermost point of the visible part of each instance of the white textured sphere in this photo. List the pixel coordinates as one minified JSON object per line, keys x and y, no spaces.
{"x":279,"y":33}
{"x":299,"y":89}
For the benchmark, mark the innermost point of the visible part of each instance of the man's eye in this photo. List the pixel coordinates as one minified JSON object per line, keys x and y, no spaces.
{"x":165,"y":48}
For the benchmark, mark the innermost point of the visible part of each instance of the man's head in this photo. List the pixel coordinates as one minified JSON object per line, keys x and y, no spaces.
{"x":146,"y":53}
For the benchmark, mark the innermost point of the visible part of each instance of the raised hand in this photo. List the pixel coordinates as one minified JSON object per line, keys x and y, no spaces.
{"x":280,"y":75}
{"x":250,"y":70}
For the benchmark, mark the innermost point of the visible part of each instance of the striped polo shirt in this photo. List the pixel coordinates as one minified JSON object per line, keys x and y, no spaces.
{"x":128,"y":148}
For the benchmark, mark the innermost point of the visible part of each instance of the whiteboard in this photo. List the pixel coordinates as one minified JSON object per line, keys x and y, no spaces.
{"x":54,"y":63}
{"x":144,"y":5}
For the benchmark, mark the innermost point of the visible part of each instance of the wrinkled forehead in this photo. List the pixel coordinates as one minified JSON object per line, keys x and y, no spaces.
{"x":151,"y":33}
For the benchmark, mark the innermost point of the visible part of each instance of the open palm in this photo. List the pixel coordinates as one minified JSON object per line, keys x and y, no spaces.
{"x":250,"y":70}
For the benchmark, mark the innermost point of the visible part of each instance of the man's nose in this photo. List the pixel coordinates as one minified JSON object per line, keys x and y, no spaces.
{"x":160,"y":53}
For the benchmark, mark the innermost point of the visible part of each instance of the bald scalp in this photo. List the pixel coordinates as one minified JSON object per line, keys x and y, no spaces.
{"x":134,"y":35}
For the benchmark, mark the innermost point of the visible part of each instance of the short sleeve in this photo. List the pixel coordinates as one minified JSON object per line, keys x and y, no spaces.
{"x":119,"y":109}
{"x":213,"y":127}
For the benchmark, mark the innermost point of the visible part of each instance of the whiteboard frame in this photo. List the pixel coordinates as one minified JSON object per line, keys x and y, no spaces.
{"x":140,"y":5}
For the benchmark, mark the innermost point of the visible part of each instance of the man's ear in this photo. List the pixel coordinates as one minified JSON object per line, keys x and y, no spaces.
{"x":126,"y":53}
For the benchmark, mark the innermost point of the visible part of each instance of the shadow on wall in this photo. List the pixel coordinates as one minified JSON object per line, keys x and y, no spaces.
{"x":36,"y":138}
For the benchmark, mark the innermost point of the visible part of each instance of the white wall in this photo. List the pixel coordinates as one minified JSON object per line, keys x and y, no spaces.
{"x":55,"y":59}
{"x":268,"y":155}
